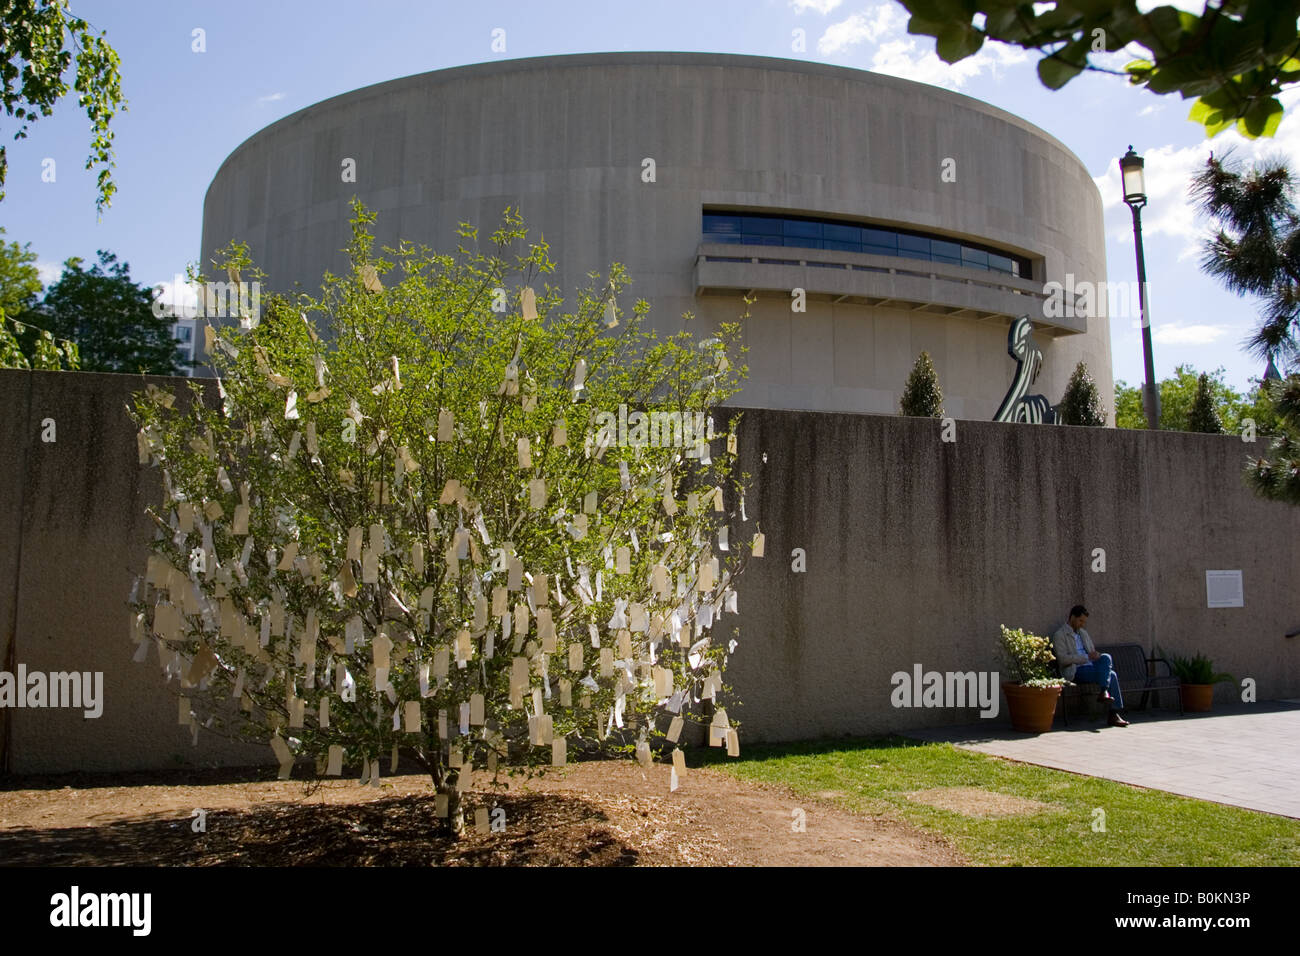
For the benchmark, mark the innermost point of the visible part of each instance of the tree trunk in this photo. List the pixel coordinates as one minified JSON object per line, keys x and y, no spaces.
{"x":446,"y":781}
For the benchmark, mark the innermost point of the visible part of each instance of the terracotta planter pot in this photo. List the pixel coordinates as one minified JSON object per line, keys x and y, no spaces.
{"x":1032,"y":708}
{"x":1198,"y":697}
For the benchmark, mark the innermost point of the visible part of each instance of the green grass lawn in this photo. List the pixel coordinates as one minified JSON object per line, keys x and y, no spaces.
{"x":1143,"y":827}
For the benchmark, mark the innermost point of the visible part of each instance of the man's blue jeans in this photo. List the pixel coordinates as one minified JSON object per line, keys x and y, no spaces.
{"x":1099,"y":672}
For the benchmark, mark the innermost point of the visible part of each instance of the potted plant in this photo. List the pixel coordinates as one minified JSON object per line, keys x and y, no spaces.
{"x":1198,"y":677}
{"x":1033,"y":687}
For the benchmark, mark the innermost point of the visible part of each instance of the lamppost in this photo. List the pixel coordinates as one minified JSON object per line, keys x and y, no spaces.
{"x":1135,"y":195}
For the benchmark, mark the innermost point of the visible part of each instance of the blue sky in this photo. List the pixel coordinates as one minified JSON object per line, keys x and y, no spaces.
{"x":264,"y":60}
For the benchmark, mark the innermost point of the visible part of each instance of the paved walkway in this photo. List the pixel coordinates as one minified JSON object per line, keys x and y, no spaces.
{"x":1247,"y":755}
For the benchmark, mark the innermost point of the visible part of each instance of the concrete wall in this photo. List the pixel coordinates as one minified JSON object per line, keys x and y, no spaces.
{"x":563,"y":139}
{"x":74,"y":536}
{"x":916,"y":551}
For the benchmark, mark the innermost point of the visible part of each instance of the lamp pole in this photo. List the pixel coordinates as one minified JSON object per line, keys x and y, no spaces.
{"x":1134,"y":181}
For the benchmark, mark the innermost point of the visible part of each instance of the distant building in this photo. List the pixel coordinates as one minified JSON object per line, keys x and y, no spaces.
{"x":871,"y":217}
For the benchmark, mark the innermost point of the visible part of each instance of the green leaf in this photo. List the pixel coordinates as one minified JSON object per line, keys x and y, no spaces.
{"x":1165,"y":27}
{"x":958,"y":41}
{"x":1055,"y":71}
{"x":1262,"y":119}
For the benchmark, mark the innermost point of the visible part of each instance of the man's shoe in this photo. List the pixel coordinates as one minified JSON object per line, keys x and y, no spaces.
{"x":1104,"y":696}
{"x":1115,"y":720}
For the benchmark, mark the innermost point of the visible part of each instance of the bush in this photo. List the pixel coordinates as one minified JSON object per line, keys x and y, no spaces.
{"x":1028,"y":658}
{"x":922,"y":396}
{"x":1081,"y":403}
{"x":1204,"y":416}
{"x":417,"y":532}
{"x":1195,"y":670}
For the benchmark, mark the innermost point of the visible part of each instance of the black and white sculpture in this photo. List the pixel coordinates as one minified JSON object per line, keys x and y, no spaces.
{"x":1017,"y":406}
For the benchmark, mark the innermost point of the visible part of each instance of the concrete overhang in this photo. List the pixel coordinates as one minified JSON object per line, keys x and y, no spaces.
{"x":862,"y":279}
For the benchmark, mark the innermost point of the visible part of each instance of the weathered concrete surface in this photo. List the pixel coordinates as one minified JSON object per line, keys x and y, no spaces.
{"x":79,"y":536}
{"x":916,"y":550}
{"x":563,"y":139}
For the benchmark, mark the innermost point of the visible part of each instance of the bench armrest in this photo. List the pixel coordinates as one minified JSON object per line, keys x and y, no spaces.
{"x":1161,"y":660}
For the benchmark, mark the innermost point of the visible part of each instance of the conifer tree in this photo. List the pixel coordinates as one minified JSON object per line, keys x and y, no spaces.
{"x":922,"y":396}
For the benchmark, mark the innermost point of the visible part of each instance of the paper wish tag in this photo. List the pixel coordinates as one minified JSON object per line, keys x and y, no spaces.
{"x":679,"y":763}
{"x":411,"y":716}
{"x":528,"y":305}
{"x":675,"y":729}
{"x":446,"y":428}
{"x":481,"y":822}
{"x":335,"y":766}
{"x":760,"y":542}
{"x":559,"y":751}
{"x":537,"y":494}
{"x":283,"y":755}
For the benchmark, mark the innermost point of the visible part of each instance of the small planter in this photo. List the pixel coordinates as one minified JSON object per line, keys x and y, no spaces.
{"x":1198,"y":697}
{"x":1032,"y":708}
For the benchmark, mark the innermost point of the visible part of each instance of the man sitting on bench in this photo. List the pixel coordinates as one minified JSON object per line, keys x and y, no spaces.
{"x":1080,"y":662}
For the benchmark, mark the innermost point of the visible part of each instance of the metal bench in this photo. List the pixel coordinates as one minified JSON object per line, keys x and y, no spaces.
{"x":1137,"y":675}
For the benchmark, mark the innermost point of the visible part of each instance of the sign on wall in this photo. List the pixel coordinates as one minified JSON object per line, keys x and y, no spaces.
{"x":1223,"y":589}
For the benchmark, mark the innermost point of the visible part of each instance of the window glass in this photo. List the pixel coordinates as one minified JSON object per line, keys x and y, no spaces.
{"x":808,"y":230}
{"x":718,"y":223}
{"x":880,"y":238}
{"x":841,"y":233}
{"x":760,"y":225}
{"x":999,"y":263}
{"x":910,"y":245}
{"x":765,"y":230}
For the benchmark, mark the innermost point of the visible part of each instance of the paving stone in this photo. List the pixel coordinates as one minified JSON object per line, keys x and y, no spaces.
{"x":1247,"y":756}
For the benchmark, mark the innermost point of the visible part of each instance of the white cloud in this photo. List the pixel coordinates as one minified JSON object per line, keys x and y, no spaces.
{"x":270,"y":98}
{"x":1171,"y":333}
{"x":49,"y":272}
{"x":821,"y":6}
{"x":1187,"y":6}
{"x":867,"y":27}
{"x":905,"y":59}
{"x":900,"y":54}
{"x":1170,"y":210}
{"x":1154,"y":108}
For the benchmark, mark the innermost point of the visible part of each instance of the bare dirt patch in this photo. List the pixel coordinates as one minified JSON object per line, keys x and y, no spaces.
{"x":974,"y":802}
{"x":594,"y":813}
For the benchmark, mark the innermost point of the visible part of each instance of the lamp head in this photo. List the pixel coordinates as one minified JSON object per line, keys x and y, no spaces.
{"x":1133,"y":178}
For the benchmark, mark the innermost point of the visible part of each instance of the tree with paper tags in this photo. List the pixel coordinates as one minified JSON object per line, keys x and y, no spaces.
{"x":442,"y":512}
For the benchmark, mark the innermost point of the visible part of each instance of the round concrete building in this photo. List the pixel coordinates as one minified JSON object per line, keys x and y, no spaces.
{"x":911,"y":218}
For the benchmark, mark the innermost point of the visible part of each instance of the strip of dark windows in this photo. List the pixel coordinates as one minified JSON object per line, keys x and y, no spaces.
{"x":808,"y":232}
